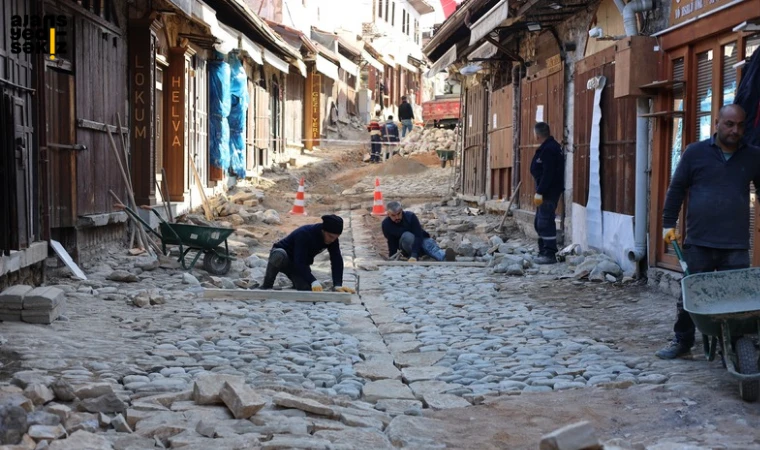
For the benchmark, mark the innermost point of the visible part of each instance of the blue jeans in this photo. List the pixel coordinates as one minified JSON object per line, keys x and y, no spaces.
{"x":546,"y":228}
{"x":429,"y":247}
{"x":406,"y":125}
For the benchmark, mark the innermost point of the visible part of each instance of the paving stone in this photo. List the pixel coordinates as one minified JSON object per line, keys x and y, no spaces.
{"x":412,"y":374}
{"x":207,"y":387}
{"x":46,"y":432}
{"x":386,"y":389}
{"x":377,"y":370}
{"x":418,"y":359}
{"x":356,"y":438}
{"x":311,"y":406}
{"x":43,"y":298}
{"x":297,"y":442}
{"x":13,"y":423}
{"x":444,"y":401}
{"x":39,"y":394}
{"x":119,"y":423}
{"x":82,"y":440}
{"x":577,"y":436}
{"x":242,"y":401}
{"x":414,"y":432}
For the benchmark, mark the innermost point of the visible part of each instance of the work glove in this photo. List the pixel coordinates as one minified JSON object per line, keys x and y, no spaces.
{"x":316,"y":286}
{"x":344,"y":289}
{"x":412,"y":259}
{"x":669,"y":235}
{"x":538,"y":199}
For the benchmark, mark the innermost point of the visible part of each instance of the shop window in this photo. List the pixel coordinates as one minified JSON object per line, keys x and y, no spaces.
{"x":752,"y":44}
{"x":704,"y":94}
{"x":678,"y":98}
{"x":730,"y":54}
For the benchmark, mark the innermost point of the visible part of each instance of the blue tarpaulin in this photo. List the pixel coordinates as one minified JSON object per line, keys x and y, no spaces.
{"x":239,"y":95}
{"x":219,"y":110}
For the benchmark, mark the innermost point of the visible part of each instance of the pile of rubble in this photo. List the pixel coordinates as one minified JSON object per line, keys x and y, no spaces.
{"x":220,"y":411}
{"x":427,"y":140}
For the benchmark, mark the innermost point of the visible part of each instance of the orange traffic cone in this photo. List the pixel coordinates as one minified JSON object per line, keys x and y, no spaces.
{"x":299,"y":205}
{"x":378,"y":208}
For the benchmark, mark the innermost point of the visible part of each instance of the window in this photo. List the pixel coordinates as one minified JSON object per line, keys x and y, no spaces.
{"x":408,"y":31}
{"x":704,"y":94}
{"x":676,"y":146}
{"x":387,"y":5}
{"x":416,"y":31}
{"x":403,"y":21}
{"x":729,"y":73}
{"x":752,"y":44}
{"x":393,"y":14}
{"x":380,"y":8}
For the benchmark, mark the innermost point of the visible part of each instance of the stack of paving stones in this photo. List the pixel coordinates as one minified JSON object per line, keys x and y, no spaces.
{"x":41,"y":305}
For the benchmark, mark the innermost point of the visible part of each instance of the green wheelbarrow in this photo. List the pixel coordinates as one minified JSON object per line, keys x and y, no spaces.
{"x":445,"y":155}
{"x":725,"y":307}
{"x":202,"y":240}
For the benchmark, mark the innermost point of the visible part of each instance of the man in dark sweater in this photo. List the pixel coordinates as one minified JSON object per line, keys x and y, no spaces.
{"x":548,"y":170}
{"x":403,"y":231}
{"x":406,"y":116}
{"x":716,"y":173}
{"x":295,"y":254}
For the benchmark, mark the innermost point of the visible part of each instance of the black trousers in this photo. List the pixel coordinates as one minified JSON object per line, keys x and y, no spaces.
{"x":279,"y":262}
{"x":376,"y":148}
{"x":546,"y":227}
{"x":700,"y":260}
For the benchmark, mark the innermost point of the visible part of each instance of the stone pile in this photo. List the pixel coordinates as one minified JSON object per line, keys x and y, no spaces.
{"x":427,"y":140}
{"x":41,"y":305}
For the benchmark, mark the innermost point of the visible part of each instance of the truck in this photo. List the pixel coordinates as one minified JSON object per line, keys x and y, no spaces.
{"x":441,"y":112}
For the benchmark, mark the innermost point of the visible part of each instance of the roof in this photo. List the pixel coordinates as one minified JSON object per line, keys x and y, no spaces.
{"x":354,"y":49}
{"x":422,"y":6}
{"x":286,"y":30}
{"x":326,"y":52}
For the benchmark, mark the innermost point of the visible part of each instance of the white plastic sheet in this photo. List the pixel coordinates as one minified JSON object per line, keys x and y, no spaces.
{"x":594,"y":204}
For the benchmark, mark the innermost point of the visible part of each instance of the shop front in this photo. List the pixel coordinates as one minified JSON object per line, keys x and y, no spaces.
{"x":704,"y":49}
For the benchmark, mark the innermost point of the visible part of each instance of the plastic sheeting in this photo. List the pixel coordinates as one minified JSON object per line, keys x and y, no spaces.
{"x":617,"y":237}
{"x":238,"y":109}
{"x":594,"y":204}
{"x":219,"y":111}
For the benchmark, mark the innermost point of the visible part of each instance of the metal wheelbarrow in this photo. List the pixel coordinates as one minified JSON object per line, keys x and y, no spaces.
{"x":203,"y":240}
{"x":725,"y":307}
{"x":445,"y":155}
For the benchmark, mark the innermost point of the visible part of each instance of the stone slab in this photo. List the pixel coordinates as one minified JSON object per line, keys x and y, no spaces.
{"x":44,"y":317}
{"x":13,"y":297}
{"x":43,"y":298}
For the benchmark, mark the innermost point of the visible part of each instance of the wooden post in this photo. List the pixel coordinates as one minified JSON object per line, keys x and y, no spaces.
{"x":312,"y":113}
{"x":174,"y":126}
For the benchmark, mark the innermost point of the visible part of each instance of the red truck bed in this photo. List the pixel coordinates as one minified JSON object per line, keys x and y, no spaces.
{"x":440,"y":109}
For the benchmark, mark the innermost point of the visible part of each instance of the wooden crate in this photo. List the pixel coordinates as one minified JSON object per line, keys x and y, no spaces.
{"x":636,"y":64}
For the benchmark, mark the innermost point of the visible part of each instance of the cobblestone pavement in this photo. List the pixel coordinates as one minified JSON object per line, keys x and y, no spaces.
{"x":402,"y":366}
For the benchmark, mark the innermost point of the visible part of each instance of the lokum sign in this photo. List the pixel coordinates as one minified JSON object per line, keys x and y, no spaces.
{"x":683,"y":10}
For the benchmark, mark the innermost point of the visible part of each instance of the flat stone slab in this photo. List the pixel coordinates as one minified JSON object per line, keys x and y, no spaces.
{"x":386,"y":389}
{"x":422,"y":388}
{"x":356,"y":438}
{"x":304,"y":404}
{"x":395,"y":328}
{"x":45,"y":298}
{"x":396,"y":407}
{"x":41,"y":316}
{"x":412,"y":374}
{"x":423,"y":359}
{"x":13,"y":297}
{"x":444,"y":401}
{"x":377,"y":370}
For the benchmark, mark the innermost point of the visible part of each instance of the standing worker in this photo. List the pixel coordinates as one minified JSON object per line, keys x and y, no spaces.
{"x":402,"y":230}
{"x":406,"y":116}
{"x":548,"y":170}
{"x":375,"y":138}
{"x":389,"y":133}
{"x":295,"y":254}
{"x":717,"y":173}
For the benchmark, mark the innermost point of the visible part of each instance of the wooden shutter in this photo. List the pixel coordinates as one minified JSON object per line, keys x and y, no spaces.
{"x":704,"y":95}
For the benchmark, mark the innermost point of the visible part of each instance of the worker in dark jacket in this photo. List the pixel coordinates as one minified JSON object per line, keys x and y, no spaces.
{"x":402,"y":230}
{"x":716,"y":173}
{"x":295,"y":254}
{"x":548,"y":170}
{"x":406,"y":116}
{"x":389,"y":132}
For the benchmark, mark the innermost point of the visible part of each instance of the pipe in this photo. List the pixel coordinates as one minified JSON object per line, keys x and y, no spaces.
{"x":641,"y":190}
{"x":620,"y":5}
{"x":516,"y":97}
{"x":629,"y":15}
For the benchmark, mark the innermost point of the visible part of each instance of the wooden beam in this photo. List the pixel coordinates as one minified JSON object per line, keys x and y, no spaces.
{"x":289,"y":295}
{"x":431,"y":263}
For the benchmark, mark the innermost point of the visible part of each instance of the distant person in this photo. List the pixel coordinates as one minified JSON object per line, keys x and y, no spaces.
{"x":716,"y":173}
{"x":406,"y":116}
{"x":390,"y":136}
{"x":548,"y":170}
{"x":295,"y":254}
{"x":403,"y":231}
{"x":376,"y":138}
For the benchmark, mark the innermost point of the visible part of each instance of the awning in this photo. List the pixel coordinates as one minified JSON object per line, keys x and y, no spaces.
{"x":229,"y":37}
{"x":372,"y":61}
{"x":253,"y":50}
{"x":301,"y":67}
{"x":489,"y":21}
{"x":406,"y":66}
{"x":275,"y":62}
{"x":486,"y":50}
{"x":445,"y":61}
{"x":347,"y":65}
{"x":327,"y":68}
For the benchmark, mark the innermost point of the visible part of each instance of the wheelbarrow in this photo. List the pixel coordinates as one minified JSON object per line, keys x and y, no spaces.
{"x":725,"y":307}
{"x":202,"y":240}
{"x":445,"y":155}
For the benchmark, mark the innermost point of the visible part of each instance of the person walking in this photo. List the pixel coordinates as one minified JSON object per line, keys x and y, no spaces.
{"x":403,"y":231}
{"x":390,"y":137}
{"x":295,"y":254}
{"x":406,"y":116}
{"x":716,"y":173}
{"x":375,"y":138}
{"x":548,"y":171}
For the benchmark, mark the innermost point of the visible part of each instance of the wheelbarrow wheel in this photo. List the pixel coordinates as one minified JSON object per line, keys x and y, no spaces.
{"x":443,"y":163}
{"x":215,"y":264}
{"x":747,"y":363}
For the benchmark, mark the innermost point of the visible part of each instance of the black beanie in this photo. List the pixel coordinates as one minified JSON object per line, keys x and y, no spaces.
{"x":332,"y":224}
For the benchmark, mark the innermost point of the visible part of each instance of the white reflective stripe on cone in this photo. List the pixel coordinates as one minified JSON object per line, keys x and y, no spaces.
{"x":298,"y":202}
{"x":378,"y":202}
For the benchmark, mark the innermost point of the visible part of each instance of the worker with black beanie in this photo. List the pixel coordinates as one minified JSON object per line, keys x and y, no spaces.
{"x":295,"y":254}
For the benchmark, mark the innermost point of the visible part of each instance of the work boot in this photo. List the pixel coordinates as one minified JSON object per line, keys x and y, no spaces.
{"x":545,"y":259}
{"x":277,"y":261}
{"x":674,"y":350}
{"x":450,"y":255}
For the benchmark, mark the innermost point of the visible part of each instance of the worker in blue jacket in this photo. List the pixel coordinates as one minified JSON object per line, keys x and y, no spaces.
{"x":295,"y":254}
{"x":548,"y":170}
{"x":403,"y":231}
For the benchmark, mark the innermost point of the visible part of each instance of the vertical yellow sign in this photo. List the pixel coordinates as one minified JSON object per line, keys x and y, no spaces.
{"x":52,"y":43}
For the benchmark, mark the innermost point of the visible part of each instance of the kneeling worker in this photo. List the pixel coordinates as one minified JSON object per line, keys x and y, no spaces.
{"x":403,"y":230}
{"x":295,"y":254}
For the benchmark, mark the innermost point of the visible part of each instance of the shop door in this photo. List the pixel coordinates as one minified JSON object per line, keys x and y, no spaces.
{"x":500,"y":135}
{"x":473,"y":160}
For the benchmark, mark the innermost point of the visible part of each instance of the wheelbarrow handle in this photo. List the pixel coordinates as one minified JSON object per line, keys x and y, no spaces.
{"x":679,"y":254}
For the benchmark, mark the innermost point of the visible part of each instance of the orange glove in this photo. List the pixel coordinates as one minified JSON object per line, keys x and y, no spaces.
{"x":316,"y":286}
{"x":669,"y":235}
{"x":538,"y":199}
{"x":344,"y":289}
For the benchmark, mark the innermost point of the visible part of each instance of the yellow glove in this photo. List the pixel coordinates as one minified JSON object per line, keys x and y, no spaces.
{"x":412,"y":259}
{"x":669,"y":235}
{"x":538,"y":199}
{"x":344,"y":289}
{"x":316,"y":287}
